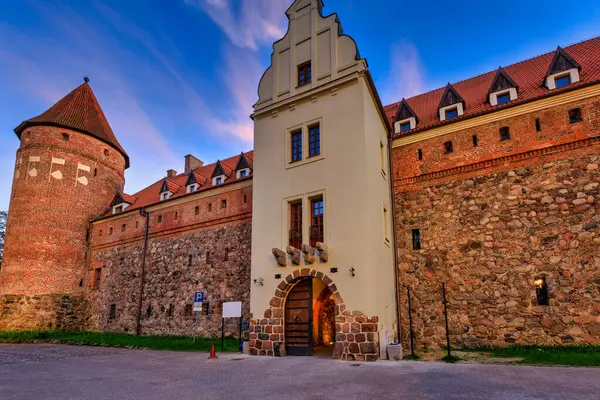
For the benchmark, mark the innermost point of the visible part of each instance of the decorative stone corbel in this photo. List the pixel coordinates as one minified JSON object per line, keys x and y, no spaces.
{"x":280,"y":257}
{"x":309,"y":254}
{"x":294,"y":253}
{"x":323,"y":251}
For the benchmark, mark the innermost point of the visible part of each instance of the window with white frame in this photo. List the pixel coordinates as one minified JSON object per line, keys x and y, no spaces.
{"x":218,"y":180}
{"x":242,"y":173}
{"x":165,"y":195}
{"x":119,"y":208}
{"x":192,"y":188}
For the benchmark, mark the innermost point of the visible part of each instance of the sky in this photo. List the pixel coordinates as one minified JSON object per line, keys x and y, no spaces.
{"x":177,"y":77}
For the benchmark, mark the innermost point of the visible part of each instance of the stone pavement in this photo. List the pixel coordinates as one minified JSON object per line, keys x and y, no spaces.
{"x":70,"y":372}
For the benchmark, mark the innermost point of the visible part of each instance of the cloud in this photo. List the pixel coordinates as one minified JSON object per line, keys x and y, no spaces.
{"x":405,"y":77}
{"x":246,"y":23}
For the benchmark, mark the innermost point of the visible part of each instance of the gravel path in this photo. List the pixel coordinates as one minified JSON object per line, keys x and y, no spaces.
{"x":72,"y":372}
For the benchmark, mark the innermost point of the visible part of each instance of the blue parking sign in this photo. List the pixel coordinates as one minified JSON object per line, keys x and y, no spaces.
{"x":198,"y":297}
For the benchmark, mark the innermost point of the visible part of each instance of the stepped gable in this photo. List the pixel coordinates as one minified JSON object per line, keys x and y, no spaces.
{"x":529,"y":76}
{"x":79,"y":111}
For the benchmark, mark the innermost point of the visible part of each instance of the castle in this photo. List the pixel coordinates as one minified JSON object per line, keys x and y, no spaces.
{"x":489,"y":185}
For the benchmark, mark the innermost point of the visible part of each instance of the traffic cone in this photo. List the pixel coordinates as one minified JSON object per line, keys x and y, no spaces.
{"x":212,"y":352}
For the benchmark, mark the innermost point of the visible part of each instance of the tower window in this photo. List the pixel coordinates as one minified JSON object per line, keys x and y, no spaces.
{"x":123,"y":227}
{"x":296,"y":146}
{"x":562,"y":81}
{"x":226,"y":257}
{"x":295,"y":235}
{"x":196,"y":210}
{"x":420,"y":153}
{"x":105,"y":152}
{"x":170,"y":310}
{"x":316,"y":221}
{"x":97,"y":278}
{"x":95,"y":171}
{"x":100,"y":232}
{"x":188,"y":310}
{"x":541,"y":291}
{"x":475,"y":141}
{"x":452,"y":113}
{"x":110,"y":231}
{"x":65,"y":137}
{"x":504,"y":133}
{"x":149,"y":311}
{"x":245,"y":198}
{"x":209,"y":206}
{"x":137,"y":224}
{"x":176,"y":214}
{"x":223,"y":203}
{"x":159,"y":219}
{"x":416,"y":239}
{"x":304,"y":73}
{"x":190,"y":260}
{"x":314,"y":141}
{"x":575,"y":115}
{"x":448,"y":147}
{"x":538,"y":125}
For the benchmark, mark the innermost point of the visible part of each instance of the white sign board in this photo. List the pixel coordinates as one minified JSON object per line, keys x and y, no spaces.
{"x":197,"y":307}
{"x":232,"y":309}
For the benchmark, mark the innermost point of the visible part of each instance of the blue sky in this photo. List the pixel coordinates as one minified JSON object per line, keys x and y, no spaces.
{"x":180,"y":76}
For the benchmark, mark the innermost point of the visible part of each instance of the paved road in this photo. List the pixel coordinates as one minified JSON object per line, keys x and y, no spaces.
{"x":69,"y":372}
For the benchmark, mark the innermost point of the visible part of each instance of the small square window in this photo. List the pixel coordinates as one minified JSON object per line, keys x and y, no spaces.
{"x":503,"y":98}
{"x":420,"y":154}
{"x":223,"y":203}
{"x":405,"y":127}
{"x":504,"y":133}
{"x":196,"y":210}
{"x":448,"y":147}
{"x":562,"y":81}
{"x":243,"y":173}
{"x":65,"y":137}
{"x":105,"y":152}
{"x":118,"y":209}
{"x":575,"y":115}
{"x":219,"y":180}
{"x":159,"y":219}
{"x":416,"y":239}
{"x":475,"y":141}
{"x":538,"y":125}
{"x":304,"y":73}
{"x":452,"y":113}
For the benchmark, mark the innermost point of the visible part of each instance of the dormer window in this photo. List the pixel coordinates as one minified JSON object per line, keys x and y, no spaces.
{"x":218,"y":180}
{"x":503,"y":89}
{"x":452,"y":104}
{"x":220,"y":174}
{"x":451,"y":113}
{"x":405,"y":118}
{"x":165,"y":196}
{"x":119,"y":208}
{"x":563,"y":70}
{"x":243,"y":173}
{"x":304,"y":73}
{"x":192,"y":188}
{"x":562,"y":81}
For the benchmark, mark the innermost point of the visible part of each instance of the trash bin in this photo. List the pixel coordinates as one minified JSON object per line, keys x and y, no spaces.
{"x":394,"y":351}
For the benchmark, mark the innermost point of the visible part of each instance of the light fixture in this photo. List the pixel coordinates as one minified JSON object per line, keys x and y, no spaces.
{"x":352,"y":270}
{"x":333,"y":270}
{"x":277,"y":276}
{"x":258,"y":282}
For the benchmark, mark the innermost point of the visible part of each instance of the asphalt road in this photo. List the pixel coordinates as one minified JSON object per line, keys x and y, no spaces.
{"x":70,"y":372}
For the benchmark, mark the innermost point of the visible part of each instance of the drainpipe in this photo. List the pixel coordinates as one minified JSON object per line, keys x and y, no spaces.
{"x":138,"y":329}
{"x":395,"y":237}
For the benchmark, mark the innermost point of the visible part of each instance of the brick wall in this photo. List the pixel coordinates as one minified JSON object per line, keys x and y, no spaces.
{"x":209,"y":252}
{"x":508,"y":213}
{"x":50,"y":209}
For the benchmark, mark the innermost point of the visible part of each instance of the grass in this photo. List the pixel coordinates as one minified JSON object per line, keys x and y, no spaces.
{"x":179,"y":343}
{"x":581,"y":355}
{"x":450,"y":359}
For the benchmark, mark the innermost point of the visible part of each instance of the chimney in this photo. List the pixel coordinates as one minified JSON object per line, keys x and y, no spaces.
{"x":171,"y":173}
{"x":191,"y":163}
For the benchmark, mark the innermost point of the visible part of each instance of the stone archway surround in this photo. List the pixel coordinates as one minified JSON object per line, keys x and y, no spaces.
{"x":356,"y":337}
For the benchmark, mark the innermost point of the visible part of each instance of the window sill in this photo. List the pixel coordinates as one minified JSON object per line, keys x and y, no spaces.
{"x":305,"y":161}
{"x":300,"y":86}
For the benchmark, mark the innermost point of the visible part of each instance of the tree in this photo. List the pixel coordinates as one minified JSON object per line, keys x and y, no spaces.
{"x":3,"y":217}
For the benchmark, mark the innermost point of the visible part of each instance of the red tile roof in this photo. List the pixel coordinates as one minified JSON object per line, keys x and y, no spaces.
{"x":79,"y":111}
{"x":151,"y":194}
{"x":529,"y":76}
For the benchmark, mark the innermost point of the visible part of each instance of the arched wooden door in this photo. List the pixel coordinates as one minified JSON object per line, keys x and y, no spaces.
{"x":298,"y":320}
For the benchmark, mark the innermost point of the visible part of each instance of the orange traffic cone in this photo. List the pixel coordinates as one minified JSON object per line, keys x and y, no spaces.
{"x":212,"y":352}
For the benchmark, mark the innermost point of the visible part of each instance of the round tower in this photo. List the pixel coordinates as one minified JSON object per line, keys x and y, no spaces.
{"x":68,"y":169}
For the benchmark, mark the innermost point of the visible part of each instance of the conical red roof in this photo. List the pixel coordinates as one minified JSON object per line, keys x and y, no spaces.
{"x":79,"y":111}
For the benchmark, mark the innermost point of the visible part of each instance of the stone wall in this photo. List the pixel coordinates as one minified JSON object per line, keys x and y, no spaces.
{"x":44,"y":312}
{"x":215,"y":260}
{"x":489,"y":234}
